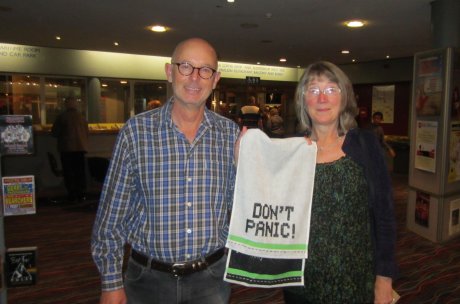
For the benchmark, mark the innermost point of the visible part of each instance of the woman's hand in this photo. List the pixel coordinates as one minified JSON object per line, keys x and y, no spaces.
{"x":308,"y":139}
{"x":237,"y":144}
{"x":383,"y":290}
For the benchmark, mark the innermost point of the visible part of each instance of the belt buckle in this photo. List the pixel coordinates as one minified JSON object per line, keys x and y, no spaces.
{"x":178,"y":268}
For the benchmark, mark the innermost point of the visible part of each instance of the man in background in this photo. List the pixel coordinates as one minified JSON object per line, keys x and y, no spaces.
{"x":71,"y":130}
{"x":250,"y":115}
{"x":376,"y":127}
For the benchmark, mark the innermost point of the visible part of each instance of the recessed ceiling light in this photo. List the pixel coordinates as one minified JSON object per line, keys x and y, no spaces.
{"x":354,"y":23}
{"x":158,"y":28}
{"x":116,"y":43}
{"x":345,"y":52}
{"x":230,"y":1}
{"x":58,"y":37}
{"x":283,"y":59}
{"x":388,"y":57}
{"x":353,"y":60}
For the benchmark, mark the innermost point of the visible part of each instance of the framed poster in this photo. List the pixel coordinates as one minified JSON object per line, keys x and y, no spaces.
{"x":454,"y":217}
{"x":422,"y":209}
{"x":425,"y":141}
{"x":429,"y":84}
{"x":383,"y":100}
{"x":18,"y":195}
{"x":16,"y":135}
{"x":454,"y":153}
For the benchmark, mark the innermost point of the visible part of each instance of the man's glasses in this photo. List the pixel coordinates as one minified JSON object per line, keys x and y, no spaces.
{"x":330,"y":91}
{"x":187,"y":69}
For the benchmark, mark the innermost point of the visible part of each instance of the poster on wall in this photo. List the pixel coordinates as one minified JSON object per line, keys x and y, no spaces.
{"x":383,"y":100}
{"x":425,"y":145}
{"x":454,"y":221}
{"x":455,"y":98}
{"x":422,"y":209}
{"x":18,"y":195}
{"x":16,"y":137}
{"x":454,"y":153}
{"x":428,"y":84}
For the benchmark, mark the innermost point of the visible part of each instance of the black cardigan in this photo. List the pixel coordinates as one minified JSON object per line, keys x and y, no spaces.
{"x":363,"y":147}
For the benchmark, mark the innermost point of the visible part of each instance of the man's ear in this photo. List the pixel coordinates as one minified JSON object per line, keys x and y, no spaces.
{"x":216,"y":80}
{"x":168,"y":71}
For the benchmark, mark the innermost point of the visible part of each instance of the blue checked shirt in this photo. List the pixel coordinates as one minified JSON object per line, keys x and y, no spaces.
{"x":167,"y":198}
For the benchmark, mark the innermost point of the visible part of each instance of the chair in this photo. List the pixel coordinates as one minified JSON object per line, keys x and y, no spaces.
{"x":58,"y":173}
{"x":54,"y":165}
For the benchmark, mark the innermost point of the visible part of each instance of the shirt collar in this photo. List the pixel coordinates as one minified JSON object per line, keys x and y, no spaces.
{"x":209,"y":119}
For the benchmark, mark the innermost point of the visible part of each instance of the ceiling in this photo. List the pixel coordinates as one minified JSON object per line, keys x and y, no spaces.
{"x":246,"y":31}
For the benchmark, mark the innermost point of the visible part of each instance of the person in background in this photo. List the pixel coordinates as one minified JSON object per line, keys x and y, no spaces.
{"x":275,"y":124}
{"x":168,"y":194}
{"x":153,"y":104}
{"x":351,"y":250}
{"x":71,"y":130}
{"x":376,"y":127}
{"x":250,"y":115}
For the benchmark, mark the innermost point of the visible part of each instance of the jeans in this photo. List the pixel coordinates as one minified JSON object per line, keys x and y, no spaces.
{"x":148,"y":286}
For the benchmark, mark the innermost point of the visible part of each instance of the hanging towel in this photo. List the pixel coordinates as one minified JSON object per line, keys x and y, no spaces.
{"x":270,"y":219}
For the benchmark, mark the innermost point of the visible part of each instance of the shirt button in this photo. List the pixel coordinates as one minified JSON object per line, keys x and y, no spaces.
{"x":189,"y":230}
{"x":188,"y":204}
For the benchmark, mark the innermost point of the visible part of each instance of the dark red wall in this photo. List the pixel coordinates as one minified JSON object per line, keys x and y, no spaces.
{"x":403,"y":91}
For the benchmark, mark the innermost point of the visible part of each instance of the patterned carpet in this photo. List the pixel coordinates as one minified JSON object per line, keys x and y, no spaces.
{"x":430,"y":273}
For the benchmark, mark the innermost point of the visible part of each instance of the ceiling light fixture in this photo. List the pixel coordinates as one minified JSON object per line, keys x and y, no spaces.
{"x":58,"y":37}
{"x":355,"y":23}
{"x":283,"y":59}
{"x":158,"y":28}
{"x":230,"y":1}
{"x":345,"y":52}
{"x":116,"y":43}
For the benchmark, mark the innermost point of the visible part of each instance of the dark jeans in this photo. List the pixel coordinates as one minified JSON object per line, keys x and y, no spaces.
{"x":147,"y":286}
{"x":73,"y":169}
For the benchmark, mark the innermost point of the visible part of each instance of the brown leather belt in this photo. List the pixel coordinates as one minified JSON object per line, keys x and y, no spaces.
{"x":178,"y":269}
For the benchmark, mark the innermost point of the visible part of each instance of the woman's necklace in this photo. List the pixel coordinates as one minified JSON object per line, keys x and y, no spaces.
{"x":330,"y":145}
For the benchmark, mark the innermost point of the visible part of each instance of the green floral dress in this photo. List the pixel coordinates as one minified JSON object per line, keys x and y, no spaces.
{"x":339,"y":268}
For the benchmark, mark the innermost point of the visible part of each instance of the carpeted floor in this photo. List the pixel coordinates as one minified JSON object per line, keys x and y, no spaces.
{"x":430,"y":273}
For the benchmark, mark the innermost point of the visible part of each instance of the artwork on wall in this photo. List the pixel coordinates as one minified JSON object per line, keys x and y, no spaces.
{"x":383,"y":100}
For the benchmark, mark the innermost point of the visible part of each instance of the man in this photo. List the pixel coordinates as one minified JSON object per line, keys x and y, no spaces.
{"x":376,"y":127}
{"x":71,"y":131}
{"x":250,"y":115}
{"x":168,"y":193}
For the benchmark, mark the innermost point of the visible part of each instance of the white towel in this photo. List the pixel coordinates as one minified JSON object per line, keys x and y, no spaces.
{"x":273,"y":194}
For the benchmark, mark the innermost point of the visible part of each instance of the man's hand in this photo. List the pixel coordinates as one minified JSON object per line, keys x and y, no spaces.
{"x":383,"y":290}
{"x":114,"y":297}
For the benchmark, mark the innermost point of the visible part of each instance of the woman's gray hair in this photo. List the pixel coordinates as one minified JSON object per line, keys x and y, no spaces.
{"x":333,"y":73}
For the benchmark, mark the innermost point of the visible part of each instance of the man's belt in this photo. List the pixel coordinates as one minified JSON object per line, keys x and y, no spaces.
{"x":178,"y":269}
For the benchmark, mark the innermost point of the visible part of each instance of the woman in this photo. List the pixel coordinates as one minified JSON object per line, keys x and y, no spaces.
{"x":352,"y":235}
